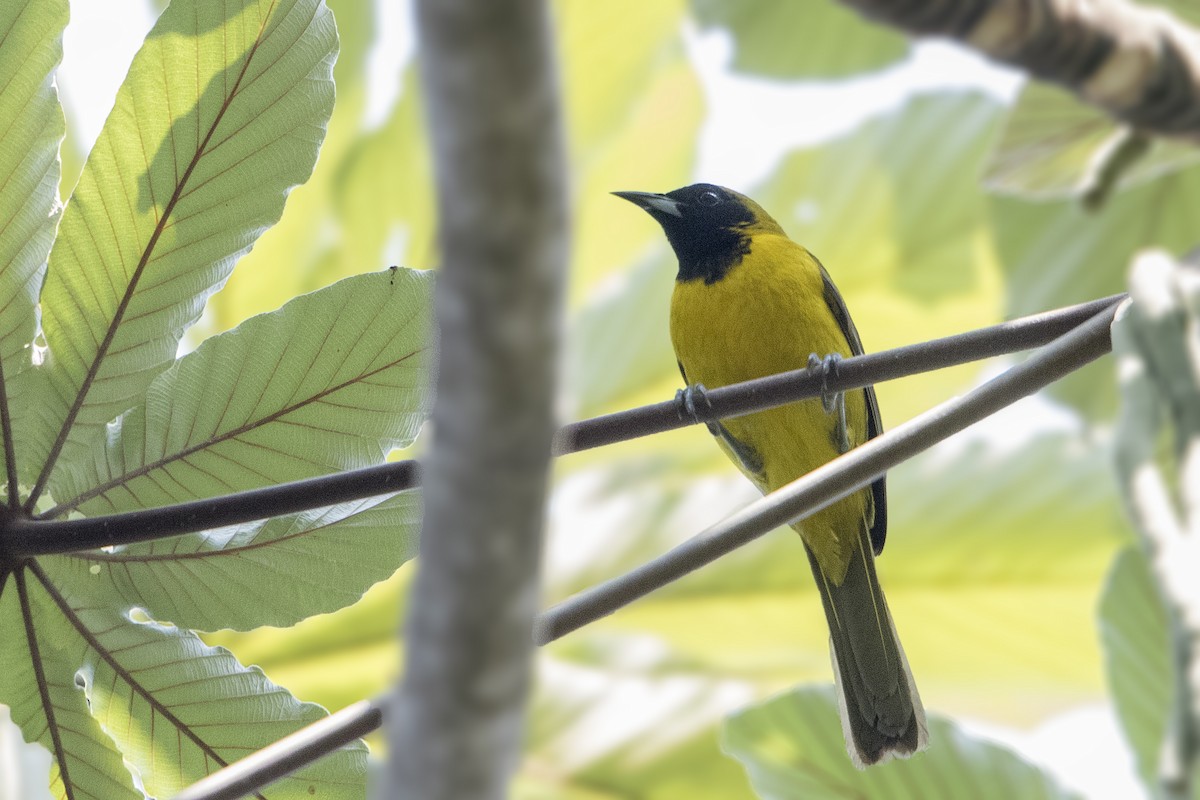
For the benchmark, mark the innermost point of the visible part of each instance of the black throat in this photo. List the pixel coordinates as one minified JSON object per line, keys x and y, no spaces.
{"x":707,"y":253}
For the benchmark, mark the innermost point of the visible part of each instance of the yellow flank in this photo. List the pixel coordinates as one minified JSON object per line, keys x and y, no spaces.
{"x":766,"y":315}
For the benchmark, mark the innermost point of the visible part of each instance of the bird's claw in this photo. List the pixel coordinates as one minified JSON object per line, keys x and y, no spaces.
{"x":832,"y":402}
{"x":686,"y":403}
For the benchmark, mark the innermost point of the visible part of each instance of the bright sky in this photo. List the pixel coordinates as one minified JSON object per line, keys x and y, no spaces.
{"x":1082,"y":747}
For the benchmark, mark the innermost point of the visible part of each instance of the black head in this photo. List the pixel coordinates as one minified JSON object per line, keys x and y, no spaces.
{"x":708,"y":226}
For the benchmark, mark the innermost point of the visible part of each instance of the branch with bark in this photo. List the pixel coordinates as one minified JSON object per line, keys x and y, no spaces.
{"x":1139,"y":64}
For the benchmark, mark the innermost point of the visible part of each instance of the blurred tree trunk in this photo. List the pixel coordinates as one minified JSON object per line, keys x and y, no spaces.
{"x":490,"y":85}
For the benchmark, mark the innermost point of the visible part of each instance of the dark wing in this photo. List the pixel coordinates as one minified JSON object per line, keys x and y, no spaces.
{"x":833,"y":299}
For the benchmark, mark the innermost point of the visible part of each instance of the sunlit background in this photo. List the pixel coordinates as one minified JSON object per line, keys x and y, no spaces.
{"x":1000,"y":540}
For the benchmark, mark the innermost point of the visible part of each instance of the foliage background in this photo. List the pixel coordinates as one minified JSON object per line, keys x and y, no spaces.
{"x":872,"y":153}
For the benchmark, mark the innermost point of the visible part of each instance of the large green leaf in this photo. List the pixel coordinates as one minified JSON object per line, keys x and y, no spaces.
{"x":304,"y":251}
{"x":275,"y":572}
{"x":40,"y":689}
{"x":792,"y":748}
{"x":248,"y":406}
{"x":383,"y":192}
{"x":331,"y":381}
{"x":1137,"y":660}
{"x":617,"y":344}
{"x":177,"y":709}
{"x":1057,"y":253}
{"x":902,"y":228}
{"x":1019,"y":537}
{"x":218,"y":118}
{"x":812,"y":39}
{"x":33,"y":127}
{"x":1053,"y":143}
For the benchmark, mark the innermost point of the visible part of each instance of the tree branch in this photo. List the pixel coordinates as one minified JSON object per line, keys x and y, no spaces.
{"x":26,"y":537}
{"x":1138,"y":64}
{"x":834,"y":480}
{"x":839,"y":477}
{"x":740,"y":399}
{"x":455,"y":727}
{"x":294,"y":751}
{"x":46,"y":537}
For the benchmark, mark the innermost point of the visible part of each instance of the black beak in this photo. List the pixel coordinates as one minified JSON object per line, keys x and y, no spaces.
{"x":656,"y":204}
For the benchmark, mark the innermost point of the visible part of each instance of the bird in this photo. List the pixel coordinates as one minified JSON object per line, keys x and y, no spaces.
{"x":750,"y":302}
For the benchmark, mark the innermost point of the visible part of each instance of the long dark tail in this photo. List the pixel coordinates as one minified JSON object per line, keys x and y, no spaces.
{"x":882,"y":715}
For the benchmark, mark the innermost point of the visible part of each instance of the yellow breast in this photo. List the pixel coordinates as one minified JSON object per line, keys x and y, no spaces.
{"x":766,"y":316}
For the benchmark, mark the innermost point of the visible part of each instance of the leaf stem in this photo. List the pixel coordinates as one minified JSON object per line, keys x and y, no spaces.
{"x":35,"y":658}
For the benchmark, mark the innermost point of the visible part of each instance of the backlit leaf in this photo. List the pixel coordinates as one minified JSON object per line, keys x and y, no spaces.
{"x":276,"y":572}
{"x":177,"y":709}
{"x":215,"y":122}
{"x":792,"y":748}
{"x":40,"y":688}
{"x":1053,"y":144}
{"x":31,"y":129}
{"x":812,"y":39}
{"x":1137,"y":661}
{"x":329,"y":382}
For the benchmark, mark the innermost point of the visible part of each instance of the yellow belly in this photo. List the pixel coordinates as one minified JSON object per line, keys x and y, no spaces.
{"x":760,"y":319}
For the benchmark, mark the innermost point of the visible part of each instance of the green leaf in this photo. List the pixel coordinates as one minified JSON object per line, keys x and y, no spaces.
{"x":658,"y":735}
{"x":815,"y":39}
{"x":275,"y":572}
{"x":1020,"y":537}
{"x":383,"y":191}
{"x":1053,"y":144}
{"x":40,"y":689}
{"x":617,"y":344}
{"x":902,"y":228}
{"x":792,"y":748}
{"x":1137,"y":661}
{"x":304,"y":251}
{"x":177,"y":709}
{"x":217,"y":119}
{"x":33,"y":127}
{"x":603,"y":92}
{"x":331,"y":381}
{"x":1055,"y":254}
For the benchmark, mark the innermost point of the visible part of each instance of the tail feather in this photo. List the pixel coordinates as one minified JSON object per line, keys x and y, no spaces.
{"x":882,"y":715}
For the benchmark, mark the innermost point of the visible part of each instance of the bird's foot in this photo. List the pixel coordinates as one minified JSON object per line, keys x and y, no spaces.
{"x":689,"y":400}
{"x":832,"y":402}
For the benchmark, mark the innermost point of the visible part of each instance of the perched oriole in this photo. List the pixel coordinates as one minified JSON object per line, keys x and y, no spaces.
{"x":750,"y":302}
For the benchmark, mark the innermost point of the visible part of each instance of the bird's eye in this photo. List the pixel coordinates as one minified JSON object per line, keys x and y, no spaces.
{"x":709,"y":198}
